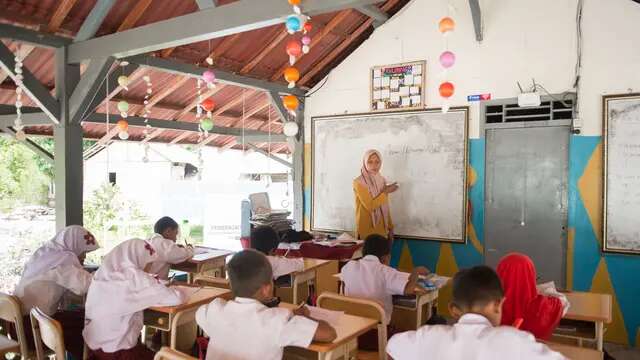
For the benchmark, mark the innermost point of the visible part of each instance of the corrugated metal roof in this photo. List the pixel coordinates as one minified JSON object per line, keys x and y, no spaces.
{"x":235,"y":53}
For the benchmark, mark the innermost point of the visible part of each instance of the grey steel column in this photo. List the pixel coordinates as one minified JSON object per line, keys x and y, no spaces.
{"x":68,"y":147}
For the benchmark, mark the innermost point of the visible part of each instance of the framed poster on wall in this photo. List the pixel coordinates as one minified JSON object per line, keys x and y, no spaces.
{"x":398,"y":86}
{"x":621,"y":131}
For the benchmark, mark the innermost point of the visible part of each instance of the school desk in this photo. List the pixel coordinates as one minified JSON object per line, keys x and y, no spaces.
{"x":348,"y":329}
{"x":309,"y":249}
{"x":210,"y":259}
{"x":315,"y":271}
{"x":577,"y":353}
{"x":168,"y":318}
{"x":586,"y":317}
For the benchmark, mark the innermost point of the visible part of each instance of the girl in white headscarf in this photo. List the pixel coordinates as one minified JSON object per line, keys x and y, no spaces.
{"x":120,"y":291}
{"x":371,"y":194}
{"x":55,"y":268}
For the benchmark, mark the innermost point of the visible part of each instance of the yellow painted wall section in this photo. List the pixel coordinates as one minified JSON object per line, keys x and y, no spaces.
{"x":615,"y":332}
{"x":590,"y":187}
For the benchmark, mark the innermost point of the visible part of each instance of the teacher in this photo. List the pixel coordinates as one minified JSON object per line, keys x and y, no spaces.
{"x":372,"y":201}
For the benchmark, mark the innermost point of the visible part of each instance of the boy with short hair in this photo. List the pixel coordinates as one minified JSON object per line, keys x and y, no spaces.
{"x":245,"y":328}
{"x":371,"y":277}
{"x":477,"y":304}
{"x":265,"y":240}
{"x":164,"y":241}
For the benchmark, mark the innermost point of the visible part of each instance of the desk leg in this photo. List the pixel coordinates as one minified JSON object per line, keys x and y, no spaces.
{"x":600,"y":335}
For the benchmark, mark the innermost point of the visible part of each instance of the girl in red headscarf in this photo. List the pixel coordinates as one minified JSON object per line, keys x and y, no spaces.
{"x":536,"y":313}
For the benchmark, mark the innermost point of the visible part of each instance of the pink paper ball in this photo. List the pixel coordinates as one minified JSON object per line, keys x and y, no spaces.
{"x":447,"y":59}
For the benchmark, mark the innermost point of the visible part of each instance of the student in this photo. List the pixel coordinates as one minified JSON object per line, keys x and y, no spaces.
{"x":120,"y":291}
{"x":245,"y":328}
{"x":55,"y":268}
{"x":164,"y":242}
{"x":265,"y":240}
{"x":477,"y":305}
{"x":292,"y":236}
{"x":540,"y":314}
{"x":371,"y":277}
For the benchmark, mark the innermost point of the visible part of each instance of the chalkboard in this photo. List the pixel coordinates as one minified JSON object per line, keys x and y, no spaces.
{"x":424,"y":151}
{"x":622,"y":169}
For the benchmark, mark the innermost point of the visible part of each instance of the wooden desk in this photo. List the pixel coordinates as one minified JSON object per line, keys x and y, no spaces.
{"x":169,"y":318}
{"x":577,"y":353}
{"x":213,"y":259}
{"x":587,"y":307}
{"x":348,"y":330}
{"x":300,"y":278}
{"x":417,"y":314}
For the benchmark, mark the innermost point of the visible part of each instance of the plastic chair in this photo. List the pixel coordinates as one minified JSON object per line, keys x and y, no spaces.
{"x":10,"y":311}
{"x":358,"y":307}
{"x":169,"y":354}
{"x":47,"y":331}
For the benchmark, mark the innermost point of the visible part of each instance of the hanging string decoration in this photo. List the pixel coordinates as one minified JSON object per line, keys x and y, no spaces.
{"x":17,"y":124}
{"x":209,"y":78}
{"x":147,"y":104}
{"x":123,"y":81}
{"x":447,"y":60}
{"x":123,"y":105}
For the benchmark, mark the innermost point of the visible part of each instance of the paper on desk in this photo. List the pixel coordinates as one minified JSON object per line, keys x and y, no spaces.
{"x":345,"y":236}
{"x":289,"y":246}
{"x":200,"y":250}
{"x":438,"y":281}
{"x":186,"y":291}
{"x":330,"y":316}
{"x":549,"y":289}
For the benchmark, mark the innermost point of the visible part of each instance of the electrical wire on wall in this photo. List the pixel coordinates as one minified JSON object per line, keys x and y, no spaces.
{"x":578,"y":67}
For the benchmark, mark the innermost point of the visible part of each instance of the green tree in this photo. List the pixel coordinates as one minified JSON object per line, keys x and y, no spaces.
{"x":21,"y":179}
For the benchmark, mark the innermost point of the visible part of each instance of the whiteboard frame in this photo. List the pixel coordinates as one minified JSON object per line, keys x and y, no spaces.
{"x":465,"y":205}
{"x":605,"y":170}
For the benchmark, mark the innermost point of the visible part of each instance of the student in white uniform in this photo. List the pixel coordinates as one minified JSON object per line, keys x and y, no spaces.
{"x":477,"y":304}
{"x":245,"y":328}
{"x":120,"y":291}
{"x":53,"y":270}
{"x":164,"y":241}
{"x":265,"y":239}
{"x":372,"y":278}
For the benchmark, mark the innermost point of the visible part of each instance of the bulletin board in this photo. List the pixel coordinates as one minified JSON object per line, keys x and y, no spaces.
{"x":398,"y":86}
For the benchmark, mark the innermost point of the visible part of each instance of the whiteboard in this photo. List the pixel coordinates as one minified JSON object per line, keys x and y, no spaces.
{"x":622,"y":169}
{"x":424,"y":151}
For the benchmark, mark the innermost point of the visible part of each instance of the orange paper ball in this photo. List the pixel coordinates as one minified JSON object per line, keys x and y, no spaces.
{"x":446,"y":24}
{"x":446,"y":89}
{"x":208,"y":105}
{"x":291,"y":74}
{"x":122,"y":124}
{"x":294,"y":2}
{"x":294,"y":48}
{"x":290,"y":102}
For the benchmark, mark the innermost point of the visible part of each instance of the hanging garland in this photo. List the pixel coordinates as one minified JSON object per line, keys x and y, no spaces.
{"x":447,"y":60}
{"x":17,"y":124}
{"x":147,"y":105}
{"x":123,"y":106}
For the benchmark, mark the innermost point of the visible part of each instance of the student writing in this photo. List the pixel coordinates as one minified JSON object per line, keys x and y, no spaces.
{"x":244,"y":328}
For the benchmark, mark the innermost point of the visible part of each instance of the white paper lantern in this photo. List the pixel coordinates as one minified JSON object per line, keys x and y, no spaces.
{"x":123,"y":135}
{"x":290,"y":128}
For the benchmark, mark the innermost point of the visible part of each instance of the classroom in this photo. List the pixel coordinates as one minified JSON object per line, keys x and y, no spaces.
{"x":330,"y":179}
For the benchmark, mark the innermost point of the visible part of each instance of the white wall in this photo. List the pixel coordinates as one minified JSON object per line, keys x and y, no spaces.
{"x":523,"y":39}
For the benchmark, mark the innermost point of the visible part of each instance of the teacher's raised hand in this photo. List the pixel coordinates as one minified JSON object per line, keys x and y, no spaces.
{"x":389,"y":188}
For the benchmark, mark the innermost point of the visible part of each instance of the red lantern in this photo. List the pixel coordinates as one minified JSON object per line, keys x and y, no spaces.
{"x":122,"y":124}
{"x":290,"y":102}
{"x":294,"y":48}
{"x":446,"y":89}
{"x":307,"y":27}
{"x":208,"y":105}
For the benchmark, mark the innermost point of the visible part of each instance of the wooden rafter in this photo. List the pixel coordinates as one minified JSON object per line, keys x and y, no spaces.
{"x":134,"y":15}
{"x":60,"y":14}
{"x":317,"y":38}
{"x":326,"y":60}
{"x":181,"y":137}
{"x":265,"y":51}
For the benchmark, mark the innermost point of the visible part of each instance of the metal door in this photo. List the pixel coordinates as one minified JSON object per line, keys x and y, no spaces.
{"x":526,"y":197}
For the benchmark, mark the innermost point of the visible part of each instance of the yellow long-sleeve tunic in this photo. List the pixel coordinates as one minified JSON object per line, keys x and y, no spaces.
{"x":365,"y":204}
